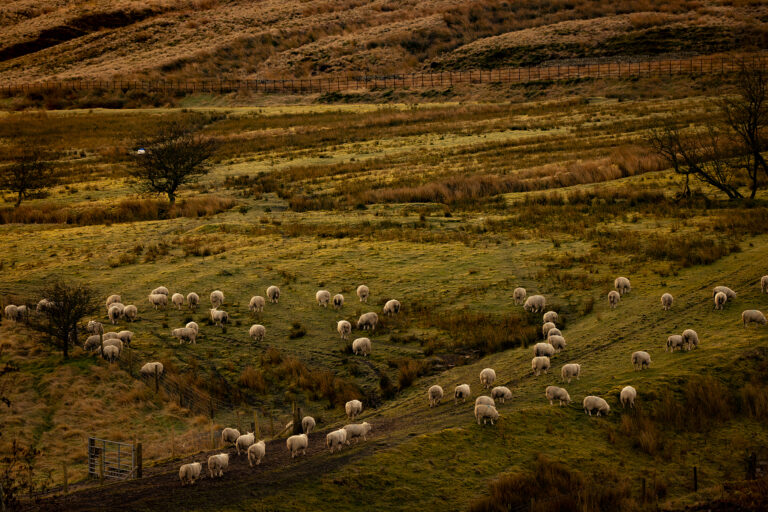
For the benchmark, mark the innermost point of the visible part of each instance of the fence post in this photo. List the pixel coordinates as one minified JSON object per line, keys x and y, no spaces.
{"x":157,"y":379}
{"x":139,"y":461}
{"x":695,"y":479}
{"x":66,"y":479}
{"x":256,"y":425}
{"x":101,"y":467}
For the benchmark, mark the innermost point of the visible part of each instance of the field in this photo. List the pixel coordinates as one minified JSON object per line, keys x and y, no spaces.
{"x":447,"y":206}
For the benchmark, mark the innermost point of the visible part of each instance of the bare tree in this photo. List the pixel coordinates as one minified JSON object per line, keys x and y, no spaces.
{"x":174,"y":157}
{"x":29,"y":171}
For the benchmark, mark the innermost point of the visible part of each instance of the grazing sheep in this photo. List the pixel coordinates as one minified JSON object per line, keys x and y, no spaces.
{"x":336,"y":439}
{"x":44,"y":305}
{"x":114,"y":343}
{"x":125,"y":336}
{"x":392,"y":307}
{"x":556,"y":393}
{"x":217,"y":299}
{"x":484,"y":400}
{"x":307,"y":424}
{"x":219,"y":317}
{"x":296,"y":444}
{"x":229,"y":435}
{"x":361,"y":346}
{"x":323,"y":298}
{"x":114,"y":313}
{"x":368,"y":321}
{"x":753,"y":316}
{"x":595,"y":403}
{"x":177,"y":300}
{"x":256,"y":452}
{"x":613,"y":299}
{"x":540,"y":364}
{"x":131,"y":312}
{"x":257,"y":304}
{"x":353,"y":408}
{"x":95,"y":327}
{"x":627,"y":396}
{"x":550,"y":316}
{"x":150,"y":369}
{"x":554,"y":332}
{"x":257,"y":332}
{"x":519,"y":295}
{"x":189,"y":473}
{"x":674,"y":342}
{"x":546,"y":327}
{"x":569,"y":371}
{"x":11,"y":312}
{"x":558,"y":342}
{"x":363,"y":292}
{"x":273,"y":294}
{"x":111,"y":336}
{"x":724,"y":289}
{"x":435,"y":394}
{"x":193,"y":300}
{"x":720,"y":300}
{"x":764,"y":284}
{"x":185,"y":333}
{"x":244,"y":441}
{"x":461,"y":392}
{"x":487,"y":377}
{"x":193,"y":325}
{"x":666,"y":301}
{"x":161,"y":290}
{"x":338,"y":301}
{"x":500,"y":393}
{"x":535,"y":304}
{"x":543,"y":349}
{"x":21,"y":312}
{"x":485,"y":413}
{"x":641,"y":360}
{"x":356,"y":431}
{"x":92,"y":342}
{"x":111,"y":353}
{"x":217,"y":464}
{"x":112,"y":299}
{"x":158,"y":299}
{"x":691,"y":339}
{"x":344,"y":328}
{"x":622,"y":285}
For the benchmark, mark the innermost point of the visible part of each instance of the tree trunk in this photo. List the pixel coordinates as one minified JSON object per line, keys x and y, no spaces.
{"x":172,"y":197}
{"x":18,"y":200}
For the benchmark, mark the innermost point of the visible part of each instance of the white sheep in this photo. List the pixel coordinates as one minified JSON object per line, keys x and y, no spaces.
{"x":720,"y":300}
{"x":554,"y":332}
{"x":356,"y":431}
{"x":92,"y":342}
{"x":595,"y":403}
{"x":161,"y":290}
{"x":535,"y":304}
{"x":613,"y":299}
{"x":627,"y":396}
{"x":273,"y":294}
{"x":461,"y":392}
{"x":392,"y":307}
{"x":543,"y":349}
{"x":244,"y":441}
{"x":764,"y":284}
{"x":641,"y":360}
{"x":363,"y":292}
{"x":296,"y":444}
{"x":219,"y":317}
{"x":753,"y":316}
{"x":307,"y":424}
{"x":622,"y":285}
{"x":550,"y":316}
{"x":217,"y":464}
{"x":368,"y":321}
{"x":484,"y":400}
{"x":229,"y":435}
{"x":336,"y":439}
{"x":131,"y":312}
{"x":323,"y":298}
{"x":256,"y":305}
{"x":177,"y":300}
{"x":500,"y":393}
{"x":114,"y":342}
{"x":361,"y":346}
{"x":558,"y":342}
{"x":666,"y":301}
{"x":114,"y":313}
{"x":487,"y":377}
{"x":185,"y":333}
{"x":435,"y":394}
{"x":158,"y":300}
{"x":338,"y":301}
{"x":546,"y":327}
{"x":724,"y":289}
{"x":44,"y":305}
{"x":193,"y":325}
{"x":519,"y":295}
{"x":112,"y":299}
{"x":691,"y":339}
{"x":12,"y":312}
{"x":95,"y":327}
{"x":557,"y":393}
{"x":257,"y":332}
{"x":149,"y":369}
{"x":485,"y":413}
{"x":193,"y":300}
{"x":125,"y":336}
{"x":344,"y":328}
{"x":189,"y":473}
{"x":353,"y":409}
{"x":674,"y":342}
{"x":111,"y":353}
{"x":111,"y":336}
{"x":540,"y":364}
{"x":217,"y":299}
{"x":256,"y":452}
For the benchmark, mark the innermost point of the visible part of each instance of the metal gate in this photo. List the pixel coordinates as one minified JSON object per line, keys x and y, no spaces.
{"x":110,"y":459}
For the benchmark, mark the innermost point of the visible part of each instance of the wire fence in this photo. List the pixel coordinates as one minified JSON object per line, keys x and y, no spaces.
{"x":705,"y":65}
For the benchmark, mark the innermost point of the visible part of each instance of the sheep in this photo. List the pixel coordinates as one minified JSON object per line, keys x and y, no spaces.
{"x":193,"y":325}
{"x":273,"y":294}
{"x":219,"y":317}
{"x":519,"y":295}
{"x":131,"y":312}
{"x":613,"y":299}
{"x":557,"y":393}
{"x":363,"y":292}
{"x":392,"y":307}
{"x":193,"y":300}
{"x":158,"y":299}
{"x":217,"y":299}
{"x":296,"y":444}
{"x":338,"y":301}
{"x":554,"y":332}
{"x":257,"y":332}
{"x":257,"y":304}
{"x":12,"y":312}
{"x":666,"y":301}
{"x":111,"y":353}
{"x":674,"y":341}
{"x":550,"y":316}
{"x":501,"y":393}
{"x":546,"y":327}
{"x":161,"y":290}
{"x":323,"y":297}
{"x":114,"y":313}
{"x":627,"y":396}
{"x":229,"y":435}
{"x":92,"y":342}
{"x":114,"y":343}
{"x":244,"y":441}
{"x":485,"y":413}
{"x":185,"y":333}
{"x":336,"y":439}
{"x":753,"y":316}
{"x":595,"y":403}
{"x":150,"y":369}
{"x":484,"y":400}
{"x":189,"y":473}
{"x":720,"y":300}
{"x":368,"y":321}
{"x":361,"y":346}
{"x":344,"y":328}
{"x":461,"y":392}
{"x":543,"y":349}
{"x":487,"y":377}
{"x":217,"y":464}
{"x":641,"y":360}
{"x":307,"y":424}
{"x":177,"y":300}
{"x":622,"y":285}
{"x":540,"y":364}
{"x":44,"y":305}
{"x":256,"y":452}
{"x":569,"y":371}
{"x":112,"y":299}
{"x":95,"y":327}
{"x":764,"y":284}
{"x":356,"y":431}
{"x":724,"y":289}
{"x":535,"y":304}
{"x":111,"y":336}
{"x":690,"y":338}
{"x":21,"y":312}
{"x":125,"y":336}
{"x":353,"y":408}
{"x":435,"y":394}
{"x":558,"y":342}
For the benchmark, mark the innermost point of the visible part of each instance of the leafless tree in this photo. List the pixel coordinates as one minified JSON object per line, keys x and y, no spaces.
{"x":29,"y":170}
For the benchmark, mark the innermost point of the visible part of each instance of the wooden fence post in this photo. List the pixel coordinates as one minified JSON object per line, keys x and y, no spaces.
{"x":256,"y":425}
{"x":213,"y":438}
{"x":139,"y":461}
{"x":695,"y":479}
{"x":101,"y":466}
